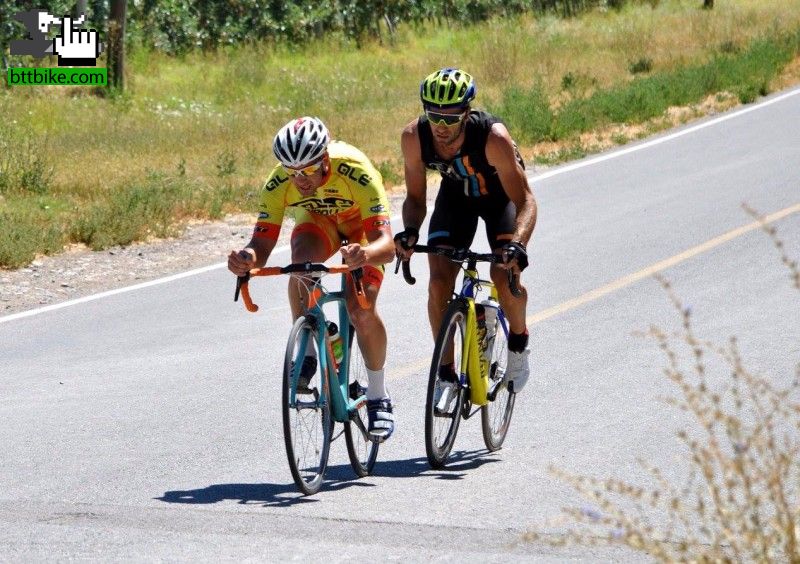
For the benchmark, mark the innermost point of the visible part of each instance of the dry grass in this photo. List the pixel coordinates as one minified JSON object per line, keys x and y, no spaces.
{"x":199,"y":115}
{"x":739,"y":501}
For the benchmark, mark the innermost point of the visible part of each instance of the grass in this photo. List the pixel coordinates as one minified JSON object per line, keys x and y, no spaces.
{"x":204,"y":122}
{"x":747,"y":74}
{"x":739,"y":501}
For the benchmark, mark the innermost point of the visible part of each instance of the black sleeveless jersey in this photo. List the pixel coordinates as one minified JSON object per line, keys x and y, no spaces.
{"x":469,"y":170}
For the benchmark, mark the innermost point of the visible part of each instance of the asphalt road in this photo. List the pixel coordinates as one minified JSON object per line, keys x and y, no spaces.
{"x":146,"y":424}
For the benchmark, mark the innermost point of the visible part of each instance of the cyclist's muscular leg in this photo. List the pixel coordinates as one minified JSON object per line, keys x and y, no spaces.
{"x":370,"y":331}
{"x":306,"y":247}
{"x":513,"y":306}
{"x":440,"y":289}
{"x":517,"y":365}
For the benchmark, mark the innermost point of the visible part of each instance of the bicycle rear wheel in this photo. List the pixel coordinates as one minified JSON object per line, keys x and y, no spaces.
{"x":307,"y":422}
{"x":362,"y":451}
{"x":496,"y":415}
{"x":442,"y":417}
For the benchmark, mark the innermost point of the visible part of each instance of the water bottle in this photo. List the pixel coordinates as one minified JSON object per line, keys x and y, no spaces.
{"x":490,"y":317}
{"x":336,"y":342}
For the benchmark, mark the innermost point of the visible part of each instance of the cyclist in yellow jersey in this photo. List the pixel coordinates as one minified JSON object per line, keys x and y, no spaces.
{"x":336,"y":194}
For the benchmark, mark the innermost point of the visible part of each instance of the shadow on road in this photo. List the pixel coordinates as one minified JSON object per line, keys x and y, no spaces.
{"x":271,"y":495}
{"x":458,"y":464}
{"x":336,"y":478}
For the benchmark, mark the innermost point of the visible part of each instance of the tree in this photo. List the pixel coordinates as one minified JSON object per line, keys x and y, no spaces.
{"x":115,"y":58}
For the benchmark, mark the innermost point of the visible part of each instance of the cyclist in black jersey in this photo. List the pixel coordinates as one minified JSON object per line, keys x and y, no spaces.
{"x":483,"y":176}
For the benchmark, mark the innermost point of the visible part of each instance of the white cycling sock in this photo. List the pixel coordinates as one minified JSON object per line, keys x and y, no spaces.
{"x":377,"y":386}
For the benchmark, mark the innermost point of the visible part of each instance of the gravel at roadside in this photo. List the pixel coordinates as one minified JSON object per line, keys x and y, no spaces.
{"x":80,"y":272}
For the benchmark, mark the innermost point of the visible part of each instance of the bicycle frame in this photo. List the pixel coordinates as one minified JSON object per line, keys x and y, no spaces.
{"x":341,"y":404}
{"x":471,"y":366}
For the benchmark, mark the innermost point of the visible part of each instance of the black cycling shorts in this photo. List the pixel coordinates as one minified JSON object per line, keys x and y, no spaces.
{"x":455,"y":218}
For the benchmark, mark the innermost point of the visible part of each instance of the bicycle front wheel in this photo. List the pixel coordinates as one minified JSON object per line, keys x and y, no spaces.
{"x":496,"y":415}
{"x":307,"y":422}
{"x":445,"y":399}
{"x":362,"y":451}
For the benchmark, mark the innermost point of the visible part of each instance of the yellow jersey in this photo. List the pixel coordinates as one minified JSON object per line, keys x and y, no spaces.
{"x":353,"y":187}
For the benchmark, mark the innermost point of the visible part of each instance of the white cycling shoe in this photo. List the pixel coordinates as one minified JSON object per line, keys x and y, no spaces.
{"x":443,"y":397}
{"x":518,"y":369}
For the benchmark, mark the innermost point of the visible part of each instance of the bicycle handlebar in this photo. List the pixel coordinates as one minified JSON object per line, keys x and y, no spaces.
{"x":459,"y":256}
{"x":243,"y":282}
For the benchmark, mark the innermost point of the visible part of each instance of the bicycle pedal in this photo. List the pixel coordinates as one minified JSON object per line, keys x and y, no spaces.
{"x":355,"y":390}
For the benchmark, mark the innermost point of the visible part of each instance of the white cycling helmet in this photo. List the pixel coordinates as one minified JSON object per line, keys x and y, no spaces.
{"x":301,"y":142}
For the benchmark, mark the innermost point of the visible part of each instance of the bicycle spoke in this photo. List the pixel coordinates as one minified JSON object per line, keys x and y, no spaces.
{"x":362,"y":451}
{"x":496,"y":415}
{"x":306,"y":423}
{"x":445,"y":397}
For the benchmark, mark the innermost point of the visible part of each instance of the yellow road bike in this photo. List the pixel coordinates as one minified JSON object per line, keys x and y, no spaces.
{"x":475,"y":336}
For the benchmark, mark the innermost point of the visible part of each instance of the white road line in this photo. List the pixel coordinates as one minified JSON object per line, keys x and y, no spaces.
{"x":665,"y":138}
{"x":548,"y":174}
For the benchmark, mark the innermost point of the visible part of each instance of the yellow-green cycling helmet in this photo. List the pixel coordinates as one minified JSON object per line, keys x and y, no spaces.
{"x":447,"y":88}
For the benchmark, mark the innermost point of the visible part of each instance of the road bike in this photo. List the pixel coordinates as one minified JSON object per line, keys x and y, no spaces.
{"x":475,"y":336}
{"x":335,"y":392}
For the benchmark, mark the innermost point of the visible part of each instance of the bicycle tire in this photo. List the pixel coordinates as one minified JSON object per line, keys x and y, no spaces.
{"x":441,"y":429}
{"x":496,"y":415}
{"x":307,"y":455}
{"x":362,"y":452}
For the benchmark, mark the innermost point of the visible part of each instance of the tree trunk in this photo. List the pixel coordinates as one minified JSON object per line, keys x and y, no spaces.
{"x":116,"y":45}
{"x":80,"y":8}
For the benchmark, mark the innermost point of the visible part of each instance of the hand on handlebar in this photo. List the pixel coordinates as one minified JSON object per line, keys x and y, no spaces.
{"x":514,"y":255}
{"x":404,"y":242}
{"x":241,"y":262}
{"x":354,"y":255}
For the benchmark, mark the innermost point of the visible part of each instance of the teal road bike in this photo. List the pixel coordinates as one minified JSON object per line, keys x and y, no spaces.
{"x":335,"y":392}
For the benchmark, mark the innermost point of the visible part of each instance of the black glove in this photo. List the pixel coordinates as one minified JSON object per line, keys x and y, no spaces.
{"x":515,"y":250}
{"x":408,"y":237}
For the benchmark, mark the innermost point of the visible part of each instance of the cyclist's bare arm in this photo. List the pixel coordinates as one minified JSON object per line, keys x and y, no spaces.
{"x":414,"y":206}
{"x":380,"y":249}
{"x":254,"y":255}
{"x":502,"y":155}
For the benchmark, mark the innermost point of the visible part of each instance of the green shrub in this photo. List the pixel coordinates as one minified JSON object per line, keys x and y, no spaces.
{"x":25,"y":234}
{"x":133,"y":213}
{"x":528,"y":113}
{"x":640,"y":65}
{"x":24,"y":166}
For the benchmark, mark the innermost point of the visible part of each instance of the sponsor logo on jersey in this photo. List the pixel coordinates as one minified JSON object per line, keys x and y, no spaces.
{"x":325,"y":206}
{"x":262,"y":216}
{"x":276,"y":181}
{"x":354,"y":174}
{"x":377,"y":209}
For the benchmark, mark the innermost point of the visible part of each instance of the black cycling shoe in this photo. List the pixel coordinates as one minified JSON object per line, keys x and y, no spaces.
{"x":307,"y":371}
{"x":381,"y":419}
